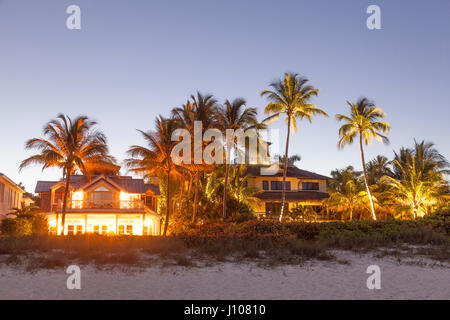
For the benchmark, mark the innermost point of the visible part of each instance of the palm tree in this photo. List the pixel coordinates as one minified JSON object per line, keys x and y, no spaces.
{"x":418,"y":178}
{"x":25,"y":211}
{"x":200,"y":108}
{"x":427,"y":158}
{"x":157,"y":157}
{"x":291,"y":96}
{"x":72,"y":145}
{"x":363,"y":122}
{"x":291,"y":160}
{"x":346,"y":190}
{"x":233,"y":116}
{"x":417,"y":189}
{"x":377,"y":168}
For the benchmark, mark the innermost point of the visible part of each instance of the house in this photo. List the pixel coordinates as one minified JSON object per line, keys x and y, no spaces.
{"x":27,"y":200}
{"x":302,"y":188}
{"x":103,"y":204}
{"x":10,"y":196}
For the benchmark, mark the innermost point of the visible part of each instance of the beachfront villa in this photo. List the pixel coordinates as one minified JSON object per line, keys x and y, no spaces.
{"x":302,"y":188}
{"x":10,"y":196}
{"x":104,"y":204}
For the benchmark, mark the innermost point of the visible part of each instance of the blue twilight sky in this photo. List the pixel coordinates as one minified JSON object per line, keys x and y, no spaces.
{"x":133,"y":60}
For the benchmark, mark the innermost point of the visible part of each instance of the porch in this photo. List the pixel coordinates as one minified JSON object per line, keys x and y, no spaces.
{"x":106,"y":224}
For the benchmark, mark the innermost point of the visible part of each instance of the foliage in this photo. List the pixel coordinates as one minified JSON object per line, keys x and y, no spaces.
{"x":25,"y":224}
{"x":17,"y":227}
{"x":291,"y":96}
{"x":71,"y":145}
{"x":363,"y":122}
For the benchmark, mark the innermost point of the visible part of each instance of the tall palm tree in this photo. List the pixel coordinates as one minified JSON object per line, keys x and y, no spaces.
{"x":199,"y":108}
{"x":364,"y":123}
{"x":232,"y":115}
{"x":291,"y":96}
{"x":157,"y":157}
{"x":71,"y":145}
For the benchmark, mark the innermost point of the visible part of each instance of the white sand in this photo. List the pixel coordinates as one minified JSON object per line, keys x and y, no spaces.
{"x":316,"y":280}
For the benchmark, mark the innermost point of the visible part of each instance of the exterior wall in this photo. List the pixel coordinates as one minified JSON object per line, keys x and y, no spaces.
{"x":10,"y":196}
{"x":108,"y":223}
{"x":296,"y":183}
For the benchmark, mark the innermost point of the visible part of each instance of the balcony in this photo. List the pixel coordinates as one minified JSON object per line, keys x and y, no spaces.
{"x":102,"y":205}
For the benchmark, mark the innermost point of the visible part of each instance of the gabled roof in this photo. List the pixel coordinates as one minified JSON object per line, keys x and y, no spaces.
{"x":125,"y":183}
{"x":12,"y":183}
{"x":292,"y":171}
{"x":292,"y":196}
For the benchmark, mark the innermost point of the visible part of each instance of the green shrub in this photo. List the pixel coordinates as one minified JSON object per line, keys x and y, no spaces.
{"x":17,"y":227}
{"x":39,"y":224}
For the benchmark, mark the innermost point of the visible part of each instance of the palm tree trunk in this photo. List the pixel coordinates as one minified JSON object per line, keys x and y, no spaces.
{"x":365,"y":178}
{"x":225,"y":187}
{"x":194,"y":216}
{"x":283,"y":192}
{"x":167,"y":203}
{"x":191,"y":177}
{"x":66,"y":193}
{"x":351,"y":214}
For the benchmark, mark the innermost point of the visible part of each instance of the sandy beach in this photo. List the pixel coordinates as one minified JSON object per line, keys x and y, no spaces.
{"x":405,"y":279}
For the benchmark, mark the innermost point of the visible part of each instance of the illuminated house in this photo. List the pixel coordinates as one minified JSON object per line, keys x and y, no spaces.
{"x":10,"y":196}
{"x":302,"y":188}
{"x":104,"y":205}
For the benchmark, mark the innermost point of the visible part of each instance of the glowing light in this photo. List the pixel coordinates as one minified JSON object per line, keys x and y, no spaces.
{"x":79,"y":195}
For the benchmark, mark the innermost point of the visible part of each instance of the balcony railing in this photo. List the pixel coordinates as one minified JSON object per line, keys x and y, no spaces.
{"x":102,"y":204}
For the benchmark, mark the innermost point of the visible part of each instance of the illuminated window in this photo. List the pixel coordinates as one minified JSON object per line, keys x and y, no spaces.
{"x":125,"y":229}
{"x":97,"y":229}
{"x":70,"y":230}
{"x":53,"y":231}
{"x":147,"y":231}
{"x":79,"y":229}
{"x":129,"y":229}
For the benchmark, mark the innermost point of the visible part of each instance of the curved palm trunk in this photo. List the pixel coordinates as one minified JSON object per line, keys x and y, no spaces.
{"x":194,"y":216}
{"x":66,"y":193}
{"x":365,"y":178}
{"x":225,"y":187}
{"x":167,"y":203}
{"x":283,"y":193}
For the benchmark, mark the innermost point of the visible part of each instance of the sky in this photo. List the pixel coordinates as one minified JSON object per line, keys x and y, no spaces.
{"x":133,"y":60}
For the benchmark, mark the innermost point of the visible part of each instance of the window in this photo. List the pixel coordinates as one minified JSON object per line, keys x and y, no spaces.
{"x":125,"y":229}
{"x":100,"y":229}
{"x":147,"y":231}
{"x":2,"y":192}
{"x":278,"y":185}
{"x":53,"y":231}
{"x":70,"y":230}
{"x":265,"y":185}
{"x":129,"y":229}
{"x":310,"y":186}
{"x":101,"y":194}
{"x":79,"y":229}
{"x":273,"y":209}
